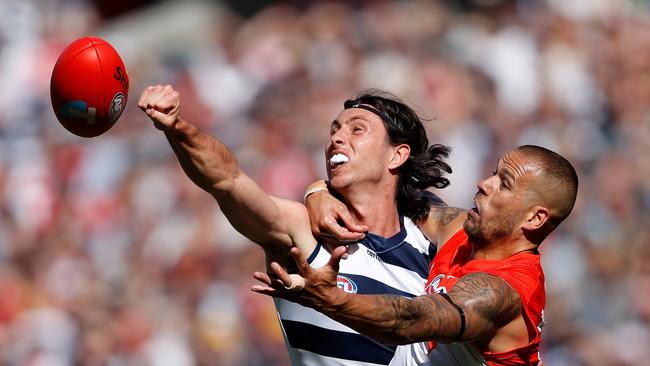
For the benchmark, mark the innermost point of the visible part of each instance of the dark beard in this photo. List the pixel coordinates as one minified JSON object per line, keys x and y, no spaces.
{"x":481,"y":238}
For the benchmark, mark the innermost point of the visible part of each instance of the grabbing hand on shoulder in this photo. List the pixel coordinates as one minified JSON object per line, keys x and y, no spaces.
{"x":330,"y":219}
{"x":162,"y":105}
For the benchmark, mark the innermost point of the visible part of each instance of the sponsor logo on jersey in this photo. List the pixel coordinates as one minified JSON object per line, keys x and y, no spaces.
{"x":374,"y":255}
{"x":117,"y":106}
{"x":346,"y":284}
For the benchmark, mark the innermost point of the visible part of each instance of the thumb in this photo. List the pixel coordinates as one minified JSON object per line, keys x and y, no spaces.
{"x":335,"y":259}
{"x":160,"y":119}
{"x":350,"y":223}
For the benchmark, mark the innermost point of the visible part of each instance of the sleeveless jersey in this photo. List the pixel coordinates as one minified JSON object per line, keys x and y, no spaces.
{"x":397,"y":265}
{"x":523,"y":271}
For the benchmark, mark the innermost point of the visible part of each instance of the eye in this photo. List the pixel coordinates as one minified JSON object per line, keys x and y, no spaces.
{"x":357,"y":128}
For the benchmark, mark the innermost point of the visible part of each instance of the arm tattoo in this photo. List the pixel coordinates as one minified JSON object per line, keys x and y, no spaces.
{"x":490,"y":302}
{"x":487,"y":301}
{"x":445,"y":215}
{"x":398,"y":320}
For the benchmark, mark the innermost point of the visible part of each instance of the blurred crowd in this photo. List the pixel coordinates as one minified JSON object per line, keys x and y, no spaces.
{"x":109,"y":255}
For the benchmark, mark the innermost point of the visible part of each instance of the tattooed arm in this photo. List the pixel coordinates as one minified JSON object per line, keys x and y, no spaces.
{"x":442,"y":223}
{"x":487,"y":301}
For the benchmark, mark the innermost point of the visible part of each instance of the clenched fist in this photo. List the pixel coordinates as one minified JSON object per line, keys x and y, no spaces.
{"x":162,"y":105}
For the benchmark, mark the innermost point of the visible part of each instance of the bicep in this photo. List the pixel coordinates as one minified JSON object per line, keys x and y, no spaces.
{"x":488,"y":302}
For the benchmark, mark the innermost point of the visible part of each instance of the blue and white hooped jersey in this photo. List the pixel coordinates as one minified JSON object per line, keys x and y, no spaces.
{"x":398,"y":265}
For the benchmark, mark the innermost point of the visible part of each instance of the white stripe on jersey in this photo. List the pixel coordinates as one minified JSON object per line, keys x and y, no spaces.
{"x":296,"y":312}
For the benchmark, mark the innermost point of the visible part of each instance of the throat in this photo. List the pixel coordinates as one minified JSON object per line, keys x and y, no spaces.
{"x":382,"y":221}
{"x":373,"y":206}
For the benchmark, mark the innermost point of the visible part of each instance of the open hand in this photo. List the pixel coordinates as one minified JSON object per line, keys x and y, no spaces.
{"x":319,"y":290}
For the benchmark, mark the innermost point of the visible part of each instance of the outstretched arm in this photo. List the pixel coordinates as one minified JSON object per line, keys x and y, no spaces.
{"x":213,"y":167}
{"x":487,"y":302}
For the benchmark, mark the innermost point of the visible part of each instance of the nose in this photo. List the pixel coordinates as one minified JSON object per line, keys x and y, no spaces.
{"x":484,"y":185}
{"x":337,"y":138}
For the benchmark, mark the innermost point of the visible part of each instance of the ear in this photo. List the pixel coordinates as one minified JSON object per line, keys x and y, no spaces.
{"x":537,"y":217}
{"x":400,"y":153}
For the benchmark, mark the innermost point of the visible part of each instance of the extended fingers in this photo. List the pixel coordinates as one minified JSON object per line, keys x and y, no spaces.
{"x":339,"y":232}
{"x":301,"y":261}
{"x":270,"y":282}
{"x":281,"y":274}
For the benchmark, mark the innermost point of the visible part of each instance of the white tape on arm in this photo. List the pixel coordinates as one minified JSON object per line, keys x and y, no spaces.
{"x":297,"y":282}
{"x":313,"y":190}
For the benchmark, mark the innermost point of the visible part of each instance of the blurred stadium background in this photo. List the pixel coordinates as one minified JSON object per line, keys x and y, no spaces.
{"x":110,"y":256}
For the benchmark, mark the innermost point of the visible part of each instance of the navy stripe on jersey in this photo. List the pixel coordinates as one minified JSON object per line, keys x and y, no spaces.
{"x":406,"y":256}
{"x":370,"y":286}
{"x":336,"y":344}
{"x":379,"y":243}
{"x":312,"y":256}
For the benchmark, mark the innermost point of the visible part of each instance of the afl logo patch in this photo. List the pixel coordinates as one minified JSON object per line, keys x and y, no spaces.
{"x":346,"y":284}
{"x":434,"y":286}
{"x":117,"y":106}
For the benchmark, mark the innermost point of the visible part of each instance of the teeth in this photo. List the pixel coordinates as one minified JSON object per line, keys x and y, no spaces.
{"x":337,"y":159}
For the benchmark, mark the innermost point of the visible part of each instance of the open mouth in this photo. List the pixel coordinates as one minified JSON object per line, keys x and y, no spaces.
{"x":337,"y":160}
{"x":475,"y":210}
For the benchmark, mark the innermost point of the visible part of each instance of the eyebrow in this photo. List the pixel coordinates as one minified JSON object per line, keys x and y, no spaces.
{"x":354,"y":117}
{"x":508,"y":174}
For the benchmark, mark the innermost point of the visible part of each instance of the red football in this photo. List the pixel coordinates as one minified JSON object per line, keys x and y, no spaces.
{"x":89,"y":87}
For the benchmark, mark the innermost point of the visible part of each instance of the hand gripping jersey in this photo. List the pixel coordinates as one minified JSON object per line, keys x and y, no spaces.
{"x":523,"y":271}
{"x":376,"y":265}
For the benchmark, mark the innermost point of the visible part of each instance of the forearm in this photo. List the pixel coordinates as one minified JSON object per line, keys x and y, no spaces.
{"x":397,"y":320}
{"x":205,"y":159}
{"x":252,"y":212}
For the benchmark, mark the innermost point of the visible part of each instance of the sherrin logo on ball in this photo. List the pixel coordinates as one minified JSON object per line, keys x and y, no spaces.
{"x":89,"y":87}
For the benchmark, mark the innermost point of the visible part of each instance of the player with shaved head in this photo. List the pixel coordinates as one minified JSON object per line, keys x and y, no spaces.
{"x":378,"y":159}
{"x":485,"y":288}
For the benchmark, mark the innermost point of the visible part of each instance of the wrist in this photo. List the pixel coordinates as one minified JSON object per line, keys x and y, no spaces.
{"x":315,"y":187}
{"x":338,"y":302}
{"x":182,"y":129}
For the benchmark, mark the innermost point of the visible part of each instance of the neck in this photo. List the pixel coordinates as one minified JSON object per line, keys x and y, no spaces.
{"x":503,"y":248}
{"x":375,"y":208}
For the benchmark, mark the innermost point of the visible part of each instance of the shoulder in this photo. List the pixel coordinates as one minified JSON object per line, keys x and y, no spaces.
{"x":442,"y":223}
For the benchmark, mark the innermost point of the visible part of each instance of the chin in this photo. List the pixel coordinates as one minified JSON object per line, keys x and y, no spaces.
{"x":468,"y":225}
{"x":338,"y":182}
